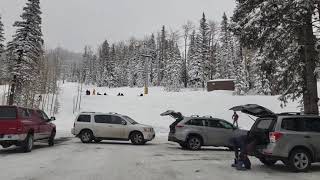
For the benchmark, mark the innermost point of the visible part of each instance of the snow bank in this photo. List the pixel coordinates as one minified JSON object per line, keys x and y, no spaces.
{"x":147,"y":109}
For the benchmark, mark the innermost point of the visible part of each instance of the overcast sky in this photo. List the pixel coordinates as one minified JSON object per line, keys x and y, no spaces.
{"x":72,"y":24}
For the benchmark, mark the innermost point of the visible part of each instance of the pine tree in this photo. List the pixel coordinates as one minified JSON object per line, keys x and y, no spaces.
{"x":203,"y":49}
{"x":26,"y":54}
{"x":282,"y":33}
{"x":104,"y":58}
{"x":172,"y":79}
{"x":226,"y":51}
{"x":3,"y":64}
{"x":194,"y":63}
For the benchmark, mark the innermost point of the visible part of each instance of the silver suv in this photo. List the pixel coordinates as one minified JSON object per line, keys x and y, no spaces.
{"x":93,"y":126}
{"x":194,"y":132}
{"x":292,"y":138}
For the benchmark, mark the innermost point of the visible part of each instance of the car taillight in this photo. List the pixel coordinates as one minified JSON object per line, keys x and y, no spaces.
{"x":275,"y":136}
{"x":179,"y":126}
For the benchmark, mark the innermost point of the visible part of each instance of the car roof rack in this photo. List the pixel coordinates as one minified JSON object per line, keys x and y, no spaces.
{"x":88,"y":112}
{"x":194,"y":116}
{"x":113,"y":113}
{"x":291,"y":113}
{"x":208,"y":116}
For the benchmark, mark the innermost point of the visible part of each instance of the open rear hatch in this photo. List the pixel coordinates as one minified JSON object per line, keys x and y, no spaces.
{"x":262,"y":126}
{"x":254,"y":110}
{"x":175,"y":115}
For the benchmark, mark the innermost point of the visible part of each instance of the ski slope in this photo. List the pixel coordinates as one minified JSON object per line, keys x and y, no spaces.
{"x":147,"y":109}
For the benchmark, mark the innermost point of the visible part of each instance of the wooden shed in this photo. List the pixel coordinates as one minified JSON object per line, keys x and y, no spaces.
{"x":221,"y":84}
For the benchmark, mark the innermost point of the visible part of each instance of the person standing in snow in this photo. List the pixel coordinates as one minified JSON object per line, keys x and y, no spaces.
{"x":235,"y":118}
{"x":94,"y":92}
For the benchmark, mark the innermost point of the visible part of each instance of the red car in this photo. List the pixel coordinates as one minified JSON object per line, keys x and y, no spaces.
{"x":22,"y":126}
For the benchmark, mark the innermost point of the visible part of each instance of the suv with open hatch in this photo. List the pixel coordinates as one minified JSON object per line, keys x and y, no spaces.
{"x":293,"y":138}
{"x":22,"y":126}
{"x":93,"y":126}
{"x":195,"y":131}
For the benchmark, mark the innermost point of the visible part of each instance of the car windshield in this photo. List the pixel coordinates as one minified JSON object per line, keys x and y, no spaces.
{"x":130,"y":120}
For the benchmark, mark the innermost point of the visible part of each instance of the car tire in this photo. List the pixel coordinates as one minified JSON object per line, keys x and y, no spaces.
{"x":137,"y":138}
{"x":86,"y":136}
{"x":27,"y":145}
{"x":299,"y":160}
{"x":51,"y":138}
{"x":267,"y":162}
{"x":194,"y":143}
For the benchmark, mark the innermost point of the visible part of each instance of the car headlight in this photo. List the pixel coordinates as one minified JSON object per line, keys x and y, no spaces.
{"x":147,"y":129}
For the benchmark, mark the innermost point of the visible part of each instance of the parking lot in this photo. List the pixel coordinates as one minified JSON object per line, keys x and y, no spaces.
{"x":159,"y":159}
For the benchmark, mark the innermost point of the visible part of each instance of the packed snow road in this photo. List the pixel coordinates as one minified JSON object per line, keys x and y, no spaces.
{"x":69,"y":159}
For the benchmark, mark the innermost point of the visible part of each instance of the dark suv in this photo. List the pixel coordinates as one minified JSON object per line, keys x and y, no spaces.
{"x":293,"y":138}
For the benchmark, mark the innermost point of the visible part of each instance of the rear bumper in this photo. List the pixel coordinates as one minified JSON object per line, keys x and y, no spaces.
{"x":172,"y":138}
{"x":12,"y":137}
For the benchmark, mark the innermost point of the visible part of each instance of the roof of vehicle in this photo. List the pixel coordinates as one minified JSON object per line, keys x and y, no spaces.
{"x":101,"y":113}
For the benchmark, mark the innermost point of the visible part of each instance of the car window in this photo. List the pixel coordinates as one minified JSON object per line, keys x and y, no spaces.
{"x":130,"y":120}
{"x":84,"y":118}
{"x":292,"y":124}
{"x":312,"y":124}
{"x":8,"y":113}
{"x":264,"y":124}
{"x":213,"y":123}
{"x":116,"y":120}
{"x":226,"y":125}
{"x":43,"y":115}
{"x":195,"y":122}
{"x":107,"y":119}
{"x":24,"y":113}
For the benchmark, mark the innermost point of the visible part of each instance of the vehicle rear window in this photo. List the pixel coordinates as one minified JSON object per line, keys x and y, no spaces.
{"x":84,"y":118}
{"x":292,"y":124}
{"x":264,"y":124}
{"x":8,"y":113}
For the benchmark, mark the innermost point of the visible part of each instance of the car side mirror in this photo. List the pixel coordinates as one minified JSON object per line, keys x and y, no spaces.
{"x":124,"y":123}
{"x":52,"y":119}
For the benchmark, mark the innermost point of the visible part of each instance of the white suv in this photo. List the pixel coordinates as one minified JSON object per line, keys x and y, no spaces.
{"x":92,"y":126}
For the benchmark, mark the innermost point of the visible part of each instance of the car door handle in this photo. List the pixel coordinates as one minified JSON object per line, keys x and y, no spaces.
{"x":308,"y":137}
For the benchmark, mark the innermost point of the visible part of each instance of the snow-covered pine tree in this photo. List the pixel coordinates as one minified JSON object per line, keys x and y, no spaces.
{"x":111,"y":77}
{"x":203,"y":50}
{"x":282,"y":31}
{"x":104,"y":56}
{"x":225,"y":54}
{"x":241,"y":74}
{"x":26,"y":53}
{"x":2,"y":50}
{"x":172,"y":78}
{"x":163,"y":48}
{"x":194,"y":63}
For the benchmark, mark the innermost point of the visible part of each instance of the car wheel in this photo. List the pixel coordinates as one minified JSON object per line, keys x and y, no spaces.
{"x":51,"y":138}
{"x":299,"y":160}
{"x":268,"y":162}
{"x":86,"y":136}
{"x":28,"y":143}
{"x":194,"y":143}
{"x":137,"y":138}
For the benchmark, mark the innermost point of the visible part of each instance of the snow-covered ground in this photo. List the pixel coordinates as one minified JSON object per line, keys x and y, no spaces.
{"x":71,"y":160}
{"x":147,"y":109}
{"x":158,"y":160}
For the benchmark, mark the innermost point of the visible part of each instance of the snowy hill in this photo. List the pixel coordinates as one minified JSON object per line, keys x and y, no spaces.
{"x":147,"y":109}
